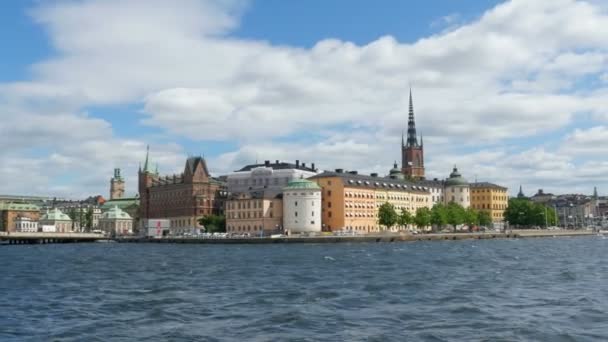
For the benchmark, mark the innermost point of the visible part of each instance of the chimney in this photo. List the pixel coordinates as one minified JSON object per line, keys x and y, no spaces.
{"x":313,"y":166}
{"x":267,"y":163}
{"x":339,"y":170}
{"x":297,"y":164}
{"x":374,"y":174}
{"x":303,"y":165}
{"x":276,"y":162}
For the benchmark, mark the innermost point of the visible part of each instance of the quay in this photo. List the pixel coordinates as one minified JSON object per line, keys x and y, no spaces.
{"x":362,"y":238}
{"x":44,"y":238}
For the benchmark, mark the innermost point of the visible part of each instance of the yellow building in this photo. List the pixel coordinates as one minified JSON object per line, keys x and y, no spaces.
{"x":491,"y":198}
{"x":350,"y":201}
{"x":254,"y":212}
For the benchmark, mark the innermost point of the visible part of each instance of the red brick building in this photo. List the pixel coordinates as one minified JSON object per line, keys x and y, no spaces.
{"x":183,"y":199}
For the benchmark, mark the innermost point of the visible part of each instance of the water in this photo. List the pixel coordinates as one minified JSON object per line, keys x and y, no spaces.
{"x":553,"y":289}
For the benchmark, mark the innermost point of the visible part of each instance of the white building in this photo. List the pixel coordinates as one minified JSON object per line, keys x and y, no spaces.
{"x":116,"y":222}
{"x":54,"y":217}
{"x":268,"y":176}
{"x":302,"y":206}
{"x":25,"y":225}
{"x":457,"y":189}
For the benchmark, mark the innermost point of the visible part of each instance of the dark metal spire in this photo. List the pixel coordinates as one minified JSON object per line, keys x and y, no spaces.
{"x":146,"y":163}
{"x":412,"y":139}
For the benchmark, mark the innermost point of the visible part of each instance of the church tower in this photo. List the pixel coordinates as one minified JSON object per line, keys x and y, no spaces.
{"x":146,"y":176}
{"x":117,"y":186}
{"x":412,"y":153}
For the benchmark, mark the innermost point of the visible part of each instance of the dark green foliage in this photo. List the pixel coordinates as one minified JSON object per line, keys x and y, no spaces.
{"x":422,"y":218}
{"x":214,"y":223}
{"x":387,"y":216}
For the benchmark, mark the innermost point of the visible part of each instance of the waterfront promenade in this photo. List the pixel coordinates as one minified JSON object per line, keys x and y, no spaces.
{"x":365,"y":238}
{"x":43,"y":238}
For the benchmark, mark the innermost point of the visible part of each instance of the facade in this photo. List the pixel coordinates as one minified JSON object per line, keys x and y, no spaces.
{"x":61,"y":221}
{"x":350,"y":201}
{"x":11,"y":212}
{"x":130,"y":205}
{"x":255,"y":213}
{"x":457,"y":189}
{"x":302,"y":207}
{"x":25,"y":224}
{"x":542,"y":197}
{"x":117,"y":186}
{"x":268,"y":176}
{"x":412,"y":153}
{"x":491,"y":198}
{"x":183,"y":199}
{"x":116,"y":222}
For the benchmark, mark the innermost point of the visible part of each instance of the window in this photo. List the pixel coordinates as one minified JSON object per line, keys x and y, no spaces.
{"x":313,"y":213}
{"x":329,"y":204}
{"x":329,"y":214}
{"x":296,"y":203}
{"x":296,"y":214}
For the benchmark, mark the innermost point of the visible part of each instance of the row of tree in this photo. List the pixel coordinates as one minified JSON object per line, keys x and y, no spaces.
{"x":524,"y":213}
{"x":81,"y":218}
{"x":438,"y":217}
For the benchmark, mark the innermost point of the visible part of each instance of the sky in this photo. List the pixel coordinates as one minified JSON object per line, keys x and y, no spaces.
{"x":511,"y":92}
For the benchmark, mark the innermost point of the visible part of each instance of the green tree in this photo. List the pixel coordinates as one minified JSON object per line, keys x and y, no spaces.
{"x":387,"y":216}
{"x":422,"y":218}
{"x":518,"y":212}
{"x":214,"y":223}
{"x":455,"y":215}
{"x":471,"y":217}
{"x":88,"y":218}
{"x":484,"y":218}
{"x":439,"y":216}
{"x":405,"y":218}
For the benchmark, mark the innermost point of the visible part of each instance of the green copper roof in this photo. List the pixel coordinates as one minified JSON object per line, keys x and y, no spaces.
{"x":456,"y":179}
{"x":55,"y":215}
{"x":302,"y":184}
{"x":122,"y":203}
{"x":18,"y":206}
{"x":115,"y":213}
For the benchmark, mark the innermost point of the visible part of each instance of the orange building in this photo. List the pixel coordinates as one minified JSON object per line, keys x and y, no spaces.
{"x":254,"y":212}
{"x":350,"y":201}
{"x":491,"y":198}
{"x":11,"y":211}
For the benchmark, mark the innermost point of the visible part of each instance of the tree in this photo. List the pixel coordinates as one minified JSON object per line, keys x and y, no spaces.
{"x":484,"y":218}
{"x":471,"y":217}
{"x":422,"y":218}
{"x":88,"y":218}
{"x":455,"y":214}
{"x":439,"y":215}
{"x":518,"y":212}
{"x":387,"y":216}
{"x":214,"y":223}
{"x":405,"y":218}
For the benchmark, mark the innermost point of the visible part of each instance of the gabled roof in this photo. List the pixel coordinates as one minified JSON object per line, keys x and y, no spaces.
{"x":18,"y":206}
{"x":364,"y":181}
{"x":193,"y":162}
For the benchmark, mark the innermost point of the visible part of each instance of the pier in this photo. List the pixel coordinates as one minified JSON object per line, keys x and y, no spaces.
{"x":44,"y":238}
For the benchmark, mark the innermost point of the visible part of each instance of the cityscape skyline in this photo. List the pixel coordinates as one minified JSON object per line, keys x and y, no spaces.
{"x":507,"y":100}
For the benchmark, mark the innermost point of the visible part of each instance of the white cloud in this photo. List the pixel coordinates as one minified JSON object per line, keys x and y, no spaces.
{"x":508,"y":74}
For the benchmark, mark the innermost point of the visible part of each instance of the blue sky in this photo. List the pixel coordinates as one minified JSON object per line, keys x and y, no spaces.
{"x":85,"y":85}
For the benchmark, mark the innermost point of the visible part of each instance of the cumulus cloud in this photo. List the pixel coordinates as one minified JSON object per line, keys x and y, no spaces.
{"x":512,"y":73}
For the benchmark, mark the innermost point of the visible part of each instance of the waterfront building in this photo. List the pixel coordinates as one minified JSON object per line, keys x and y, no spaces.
{"x":254,"y":212}
{"x":117,"y":185}
{"x":24,"y":224}
{"x":268,"y":176}
{"x":10,"y":212}
{"x":542,"y":197}
{"x":457,"y":189}
{"x":350,"y":201}
{"x":302,"y":207}
{"x":183,"y":199}
{"x":412,"y":153}
{"x":491,"y":198}
{"x":130,"y":205}
{"x":54,"y":217}
{"x":116,"y":222}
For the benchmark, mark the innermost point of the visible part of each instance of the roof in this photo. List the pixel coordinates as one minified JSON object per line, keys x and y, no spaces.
{"x":487,"y":185}
{"x":302,"y":184}
{"x":121,"y":203}
{"x":193,"y":162}
{"x":364,"y":181}
{"x":277,"y":166}
{"x":55,"y":215}
{"x":255,"y":195}
{"x":115,"y":213}
{"x":456,"y":179}
{"x":18,"y":206}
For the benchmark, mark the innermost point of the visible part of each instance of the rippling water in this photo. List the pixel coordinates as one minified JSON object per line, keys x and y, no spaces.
{"x":482,"y":290}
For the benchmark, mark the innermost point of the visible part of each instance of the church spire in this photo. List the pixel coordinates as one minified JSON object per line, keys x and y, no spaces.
{"x":146,"y":163}
{"x":412,"y":139}
{"x":595,"y":196}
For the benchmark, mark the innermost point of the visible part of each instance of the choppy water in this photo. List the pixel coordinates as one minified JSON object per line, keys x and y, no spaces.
{"x":488,"y":290}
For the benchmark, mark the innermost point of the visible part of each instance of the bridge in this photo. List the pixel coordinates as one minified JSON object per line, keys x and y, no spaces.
{"x":41,"y":238}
